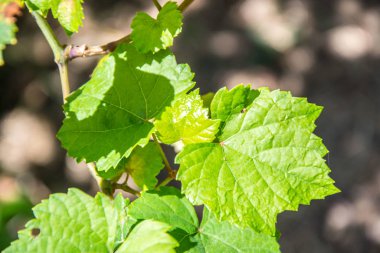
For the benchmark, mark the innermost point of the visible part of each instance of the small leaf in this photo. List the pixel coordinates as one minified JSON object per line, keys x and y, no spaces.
{"x":149,"y":237}
{"x":69,"y":14}
{"x":111,"y":114}
{"x":144,"y":164}
{"x":149,"y":34}
{"x":267,"y":159}
{"x":41,"y":6}
{"x":186,"y":120}
{"x":74,"y":222}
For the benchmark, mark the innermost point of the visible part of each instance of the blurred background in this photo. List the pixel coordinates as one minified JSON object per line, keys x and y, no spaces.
{"x":326,"y":50}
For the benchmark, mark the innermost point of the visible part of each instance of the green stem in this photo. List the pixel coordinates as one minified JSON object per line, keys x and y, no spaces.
{"x":157,"y":4}
{"x":58,"y":51}
{"x":50,"y":36}
{"x":172,"y":173}
{"x":60,"y":58}
{"x":165,"y":182}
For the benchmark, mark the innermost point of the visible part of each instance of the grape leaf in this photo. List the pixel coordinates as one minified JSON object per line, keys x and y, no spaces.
{"x":170,"y":206}
{"x":166,"y":205}
{"x":8,"y":29}
{"x":74,"y":222}
{"x":149,"y":237}
{"x":224,"y":237}
{"x":68,"y":12}
{"x":40,"y":6}
{"x":110,"y":115}
{"x":144,"y":164}
{"x":267,"y":159}
{"x":207,"y":98}
{"x":149,"y":34}
{"x":186,"y":120}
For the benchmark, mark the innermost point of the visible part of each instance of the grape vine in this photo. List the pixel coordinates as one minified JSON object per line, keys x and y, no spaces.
{"x":248,"y":154}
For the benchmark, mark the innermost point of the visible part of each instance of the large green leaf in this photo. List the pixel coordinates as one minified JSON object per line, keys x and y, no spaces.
{"x":169,"y":206}
{"x":111,"y":114}
{"x":186,"y":120}
{"x":267,"y":159}
{"x":149,"y":34}
{"x":144,"y":164}
{"x":74,"y":222}
{"x":149,"y":237}
{"x":8,"y":29}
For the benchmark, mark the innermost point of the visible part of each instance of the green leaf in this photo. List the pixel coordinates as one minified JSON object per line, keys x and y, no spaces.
{"x":111,"y":114}
{"x":69,"y":14}
{"x":41,"y":6}
{"x":267,"y":159}
{"x":186,"y":120}
{"x":149,"y":237}
{"x":168,"y":205}
{"x":144,"y":164}
{"x":224,"y":237}
{"x":149,"y":34}
{"x":207,"y":98}
{"x":74,"y":222}
{"x":8,"y":29}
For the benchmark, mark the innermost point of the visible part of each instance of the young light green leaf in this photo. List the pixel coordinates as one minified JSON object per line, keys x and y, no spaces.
{"x":110,"y":115}
{"x":207,"y":98}
{"x":149,"y":237}
{"x":144,"y":164}
{"x":186,"y":120}
{"x":149,"y":34}
{"x":8,"y":29}
{"x":267,"y":159}
{"x":41,"y":6}
{"x":74,"y":222}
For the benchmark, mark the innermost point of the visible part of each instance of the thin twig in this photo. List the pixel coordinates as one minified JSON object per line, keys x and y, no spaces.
{"x":165,"y":182}
{"x":126,"y":188}
{"x":58,"y":51}
{"x":185,"y":4}
{"x":157,"y":4}
{"x":88,"y":51}
{"x":172,"y":173}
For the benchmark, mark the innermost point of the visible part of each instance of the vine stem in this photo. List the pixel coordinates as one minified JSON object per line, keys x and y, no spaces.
{"x":58,"y":52}
{"x":126,"y":188}
{"x":164,"y":182}
{"x":61,"y":60}
{"x":83,"y":51}
{"x":157,"y":4}
{"x":172,"y":173}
